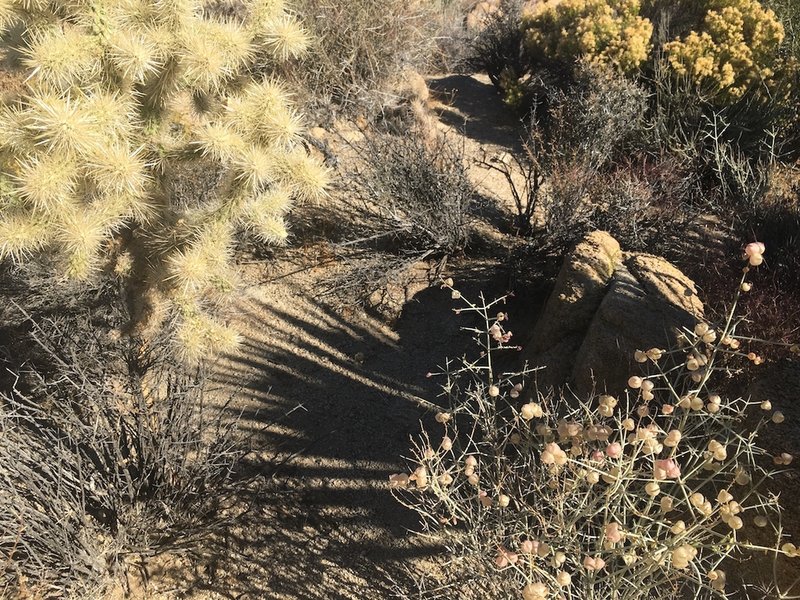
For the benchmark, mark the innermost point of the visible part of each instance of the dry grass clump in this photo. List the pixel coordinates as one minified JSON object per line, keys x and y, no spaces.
{"x":359,"y":48}
{"x":408,"y":200}
{"x":651,"y":495}
{"x":106,"y":451}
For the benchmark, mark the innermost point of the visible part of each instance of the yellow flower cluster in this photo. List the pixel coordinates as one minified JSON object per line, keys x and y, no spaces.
{"x":735,"y":49}
{"x":604,"y":32}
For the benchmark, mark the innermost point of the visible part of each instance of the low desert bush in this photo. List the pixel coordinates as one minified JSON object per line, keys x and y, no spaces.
{"x":735,"y":49}
{"x":106,"y":451}
{"x":730,"y":58}
{"x":497,"y":48}
{"x":409,"y":199}
{"x":604,"y":32}
{"x":359,"y":48}
{"x":589,"y":163}
{"x":653,"y":494}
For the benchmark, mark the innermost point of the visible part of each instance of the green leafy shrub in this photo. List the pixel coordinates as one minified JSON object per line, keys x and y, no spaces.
{"x":141,"y":137}
{"x":653,"y":494}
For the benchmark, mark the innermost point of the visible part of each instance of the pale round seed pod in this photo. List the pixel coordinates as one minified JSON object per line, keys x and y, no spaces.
{"x":760,"y":521}
{"x":559,"y":558}
{"x":605,"y":410}
{"x":701,"y":328}
{"x":628,"y":424}
{"x":746,"y":287}
{"x":652,"y":489}
{"x":713,"y":408}
{"x":421,"y":477}
{"x":647,"y":385}
{"x":443,"y":417}
{"x":447,"y":444}
{"x":697,"y":499}
{"x":697,"y":403}
{"x":592,"y":477}
{"x":563,"y":578}
{"x":494,"y":391}
{"x":667,"y":409}
{"x":741,"y":477}
{"x":777,"y":417}
{"x":724,"y":496}
{"x":640,"y":356}
{"x":766,"y":405}
{"x":717,"y":579}
{"x":474,"y":479}
{"x":655,"y":354}
{"x":735,"y":523}
{"x":647,"y":395}
{"x":445,"y":479}
{"x":667,"y":503}
{"x":635,"y":382}
{"x":535,"y":591}
{"x":678,"y":527}
{"x":530,"y":411}
{"x":503,"y":501}
{"x":754,"y":248}
{"x":471,"y":461}
{"x":673,"y":438}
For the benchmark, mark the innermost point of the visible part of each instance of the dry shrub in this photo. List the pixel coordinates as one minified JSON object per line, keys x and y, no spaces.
{"x":408,"y":199}
{"x":105,"y":450}
{"x":656,"y":494}
{"x":358,"y":48}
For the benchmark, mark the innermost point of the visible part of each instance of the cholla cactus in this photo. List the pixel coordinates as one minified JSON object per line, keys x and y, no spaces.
{"x":605,"y":32}
{"x":648,"y":495}
{"x":736,"y":48}
{"x":146,"y":123}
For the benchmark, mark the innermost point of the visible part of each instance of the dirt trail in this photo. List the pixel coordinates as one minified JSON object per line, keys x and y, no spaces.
{"x":329,"y":400}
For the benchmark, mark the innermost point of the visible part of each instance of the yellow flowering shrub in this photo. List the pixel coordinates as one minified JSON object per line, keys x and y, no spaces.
{"x":735,"y":49}
{"x":605,"y":32}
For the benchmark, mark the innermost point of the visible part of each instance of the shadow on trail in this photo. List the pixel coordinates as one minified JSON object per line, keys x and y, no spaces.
{"x":473,"y":106}
{"x":329,"y":404}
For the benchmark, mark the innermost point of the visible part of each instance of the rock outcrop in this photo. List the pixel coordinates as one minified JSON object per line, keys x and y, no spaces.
{"x":605,"y":305}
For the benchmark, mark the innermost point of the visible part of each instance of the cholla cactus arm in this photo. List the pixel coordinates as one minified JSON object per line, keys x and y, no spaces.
{"x":123,"y":98}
